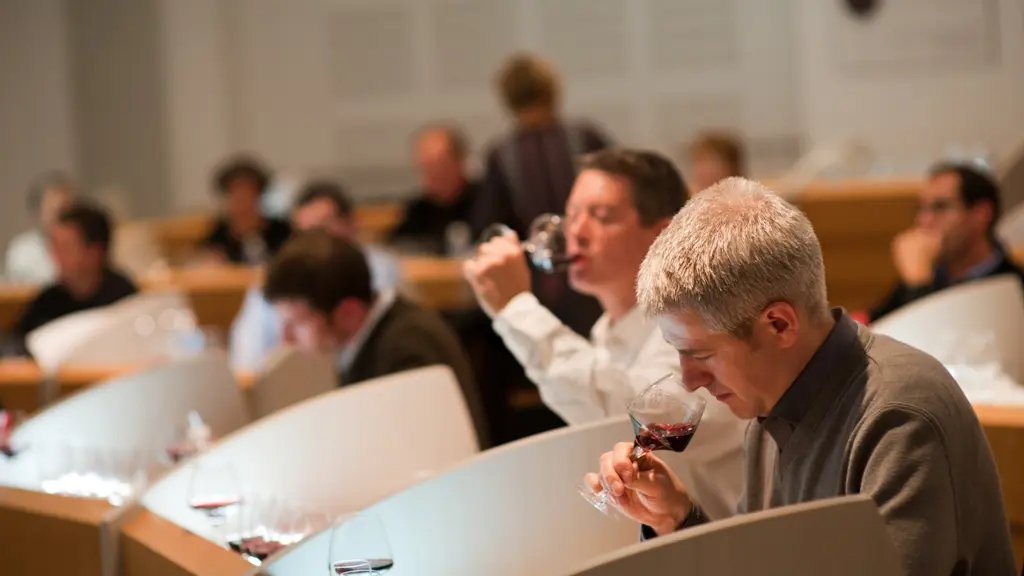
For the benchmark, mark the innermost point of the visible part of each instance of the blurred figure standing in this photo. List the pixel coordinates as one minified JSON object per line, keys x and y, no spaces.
{"x":28,"y":255}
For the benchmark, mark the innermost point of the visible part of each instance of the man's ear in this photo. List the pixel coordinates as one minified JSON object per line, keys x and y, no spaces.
{"x":782,"y":321}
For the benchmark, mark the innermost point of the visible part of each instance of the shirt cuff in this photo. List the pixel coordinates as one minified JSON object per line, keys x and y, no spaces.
{"x":696,"y":517}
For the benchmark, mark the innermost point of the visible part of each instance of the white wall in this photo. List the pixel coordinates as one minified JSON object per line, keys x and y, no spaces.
{"x":36,"y":127}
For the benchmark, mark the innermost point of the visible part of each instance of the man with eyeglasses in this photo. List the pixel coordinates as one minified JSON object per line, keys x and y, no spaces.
{"x":953,"y":239}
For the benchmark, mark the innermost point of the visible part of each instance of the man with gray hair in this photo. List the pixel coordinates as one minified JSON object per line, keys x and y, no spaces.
{"x":737,"y":286}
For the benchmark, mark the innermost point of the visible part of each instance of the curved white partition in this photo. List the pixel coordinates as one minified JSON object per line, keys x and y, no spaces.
{"x":50,"y":343}
{"x":512,"y":510}
{"x":289,"y":377}
{"x":340,"y":451}
{"x":838,"y":536}
{"x":991,"y":306}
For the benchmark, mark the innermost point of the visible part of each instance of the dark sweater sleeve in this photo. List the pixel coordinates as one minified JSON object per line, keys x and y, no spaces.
{"x":898,"y":297}
{"x":696,"y":518}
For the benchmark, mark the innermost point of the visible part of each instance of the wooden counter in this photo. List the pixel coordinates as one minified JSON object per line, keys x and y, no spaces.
{"x":153,"y":546}
{"x":1004,"y":427}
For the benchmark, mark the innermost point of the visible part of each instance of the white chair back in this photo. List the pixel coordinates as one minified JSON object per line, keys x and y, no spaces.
{"x":144,"y":328}
{"x":839,"y":537}
{"x":512,"y":510}
{"x":144,"y":410}
{"x":290,"y":376}
{"x":50,"y":343}
{"x":340,"y":451}
{"x":979,"y":309}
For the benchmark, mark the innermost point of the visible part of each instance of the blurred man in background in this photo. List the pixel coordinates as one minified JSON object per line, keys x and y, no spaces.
{"x":953,"y":240}
{"x":80,"y":243}
{"x":322,"y":204}
{"x":441,"y":219}
{"x":28,"y":255}
{"x":243,"y":235}
{"x":715,"y":156}
{"x":321,"y":288}
{"x":621,"y":201}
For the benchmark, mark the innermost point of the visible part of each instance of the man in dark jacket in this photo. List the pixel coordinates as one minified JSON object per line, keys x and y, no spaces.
{"x":953,"y":239}
{"x":321,"y":287}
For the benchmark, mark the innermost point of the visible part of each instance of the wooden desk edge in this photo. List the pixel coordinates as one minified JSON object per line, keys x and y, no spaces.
{"x":191,"y":552}
{"x":82,"y":510}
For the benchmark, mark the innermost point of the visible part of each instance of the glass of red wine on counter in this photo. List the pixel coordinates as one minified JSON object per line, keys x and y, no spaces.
{"x":664,"y":417}
{"x":359,"y":545}
{"x":545,"y":246}
{"x":213,"y":491}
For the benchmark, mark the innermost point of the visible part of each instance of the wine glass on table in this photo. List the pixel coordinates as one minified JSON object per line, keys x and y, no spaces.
{"x":213,"y":491}
{"x":664,"y":417}
{"x":544,"y":246}
{"x":359,"y":545}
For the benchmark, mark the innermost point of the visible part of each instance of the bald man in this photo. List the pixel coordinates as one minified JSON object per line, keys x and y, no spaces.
{"x":443,"y":211}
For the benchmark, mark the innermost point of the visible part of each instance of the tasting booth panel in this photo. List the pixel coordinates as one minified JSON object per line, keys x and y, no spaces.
{"x":337,"y":452}
{"x":512,"y":510}
{"x":121,"y":426}
{"x":838,"y":536}
{"x":290,"y":377}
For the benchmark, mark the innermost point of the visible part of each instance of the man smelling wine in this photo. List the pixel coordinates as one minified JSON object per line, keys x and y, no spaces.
{"x":621,"y":201}
{"x":737,"y":285}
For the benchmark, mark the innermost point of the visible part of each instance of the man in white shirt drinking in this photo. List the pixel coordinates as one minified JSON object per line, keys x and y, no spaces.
{"x":621,"y":201}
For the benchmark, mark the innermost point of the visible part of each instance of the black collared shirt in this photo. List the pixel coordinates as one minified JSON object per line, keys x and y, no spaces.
{"x":813,"y":380}
{"x":56,"y":301}
{"x":426,"y":221}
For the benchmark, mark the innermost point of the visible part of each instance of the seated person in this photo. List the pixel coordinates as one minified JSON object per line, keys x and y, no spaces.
{"x":80,"y":243}
{"x":621,"y":201}
{"x":446,"y":198}
{"x":953,"y":240}
{"x":28,"y":255}
{"x":737,"y":284}
{"x":715,"y":156}
{"x":243,"y":235}
{"x":256,"y":330}
{"x":320,"y":285}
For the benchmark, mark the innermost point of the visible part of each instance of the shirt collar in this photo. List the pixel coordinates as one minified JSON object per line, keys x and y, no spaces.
{"x":378,"y":309}
{"x":631,"y":328}
{"x":801,"y":396}
{"x":980,"y":270}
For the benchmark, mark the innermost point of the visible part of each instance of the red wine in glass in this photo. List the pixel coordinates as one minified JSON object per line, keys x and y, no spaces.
{"x":214,"y":506}
{"x":363,"y":566}
{"x":674,"y":437}
{"x":256,"y":547}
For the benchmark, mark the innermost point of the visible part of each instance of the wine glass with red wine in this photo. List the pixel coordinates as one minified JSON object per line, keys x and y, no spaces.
{"x":213,"y":491}
{"x":664,"y":417}
{"x":359,"y":545}
{"x":545,"y":245}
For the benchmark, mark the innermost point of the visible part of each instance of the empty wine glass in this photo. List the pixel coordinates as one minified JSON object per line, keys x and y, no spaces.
{"x":665,"y":417}
{"x":545,"y":245}
{"x":214,"y":491}
{"x":359,"y":545}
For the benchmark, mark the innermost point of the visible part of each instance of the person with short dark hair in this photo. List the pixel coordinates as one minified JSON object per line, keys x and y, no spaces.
{"x":953,"y":239}
{"x":80,"y":242}
{"x":621,"y":201}
{"x":444,"y":207}
{"x":530,"y":170}
{"x":322,"y":204}
{"x":28,"y":255}
{"x":715,"y":156}
{"x":242,"y":235}
{"x":320,"y":286}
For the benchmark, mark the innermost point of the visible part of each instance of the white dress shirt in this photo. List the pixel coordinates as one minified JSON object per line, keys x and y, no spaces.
{"x":588,"y":380}
{"x":28,"y":259}
{"x":256,"y":330}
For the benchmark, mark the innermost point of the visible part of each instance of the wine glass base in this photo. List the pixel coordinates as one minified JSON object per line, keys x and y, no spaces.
{"x":599,"y":501}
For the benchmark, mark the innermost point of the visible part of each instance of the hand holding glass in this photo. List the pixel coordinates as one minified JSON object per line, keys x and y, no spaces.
{"x":665,"y":417}
{"x":545,"y":246}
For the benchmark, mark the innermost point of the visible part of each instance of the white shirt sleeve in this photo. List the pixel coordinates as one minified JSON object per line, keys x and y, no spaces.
{"x":28,"y":260}
{"x":254,"y":333}
{"x":579,"y":383}
{"x":574,"y":376}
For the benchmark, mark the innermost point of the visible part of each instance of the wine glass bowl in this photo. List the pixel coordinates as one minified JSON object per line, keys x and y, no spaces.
{"x":359,"y":545}
{"x":545,"y":244}
{"x":213,"y":491}
{"x":664,"y":416}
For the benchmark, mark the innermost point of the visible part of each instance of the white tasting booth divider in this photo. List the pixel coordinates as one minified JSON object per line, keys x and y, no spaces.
{"x":339,"y":451}
{"x":289,"y":377}
{"x":512,"y":510}
{"x":147,"y":327}
{"x":992,"y":306}
{"x":139,"y":413}
{"x":50,"y":343}
{"x":837,"y":536}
